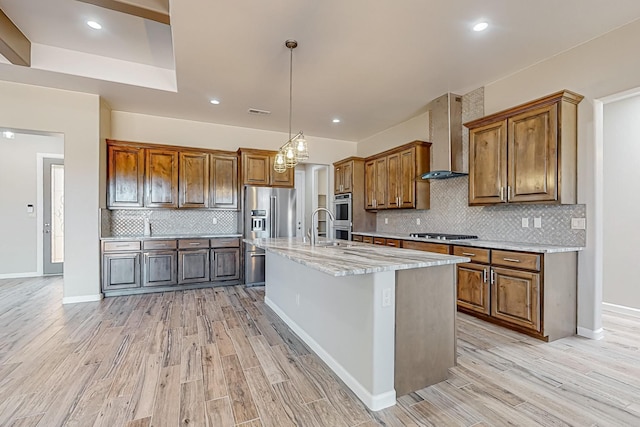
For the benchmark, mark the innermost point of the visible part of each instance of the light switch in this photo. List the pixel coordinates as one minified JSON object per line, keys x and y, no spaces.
{"x":525,"y":222}
{"x":215,"y":221}
{"x":537,"y":222}
{"x":417,"y":221}
{"x":386,"y":220}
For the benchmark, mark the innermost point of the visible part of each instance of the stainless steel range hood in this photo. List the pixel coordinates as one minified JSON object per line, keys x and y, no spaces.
{"x":445,"y":134}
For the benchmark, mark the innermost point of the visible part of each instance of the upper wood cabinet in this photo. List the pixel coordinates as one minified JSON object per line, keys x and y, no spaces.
{"x":194,"y":180}
{"x":526,"y":154}
{"x":224,"y":181}
{"x":257,"y":169}
{"x":155,"y":176}
{"x":125,"y":176}
{"x":343,"y":176}
{"x":392,"y":178}
{"x":161,"y":178}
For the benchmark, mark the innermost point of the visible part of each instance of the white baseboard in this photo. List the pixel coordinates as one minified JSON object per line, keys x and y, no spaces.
{"x":374,"y":402}
{"x":19,"y":275}
{"x":621,"y":309}
{"x":83,"y":298}
{"x":597,"y":334}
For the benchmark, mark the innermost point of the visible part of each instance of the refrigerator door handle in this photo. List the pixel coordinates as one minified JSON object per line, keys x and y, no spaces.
{"x":274,"y":220}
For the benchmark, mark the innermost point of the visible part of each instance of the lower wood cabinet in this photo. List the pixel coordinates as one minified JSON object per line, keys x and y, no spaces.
{"x":160,"y":268}
{"x":473,"y":287}
{"x":225,"y":264}
{"x":516,"y":297}
{"x":120,"y":270}
{"x":439,"y":248}
{"x":193,"y":266}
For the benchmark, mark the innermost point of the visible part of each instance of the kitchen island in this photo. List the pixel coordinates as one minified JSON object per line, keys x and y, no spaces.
{"x":383,"y":319}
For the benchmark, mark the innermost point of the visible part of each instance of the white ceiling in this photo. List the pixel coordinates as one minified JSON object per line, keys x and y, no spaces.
{"x":372,"y":64}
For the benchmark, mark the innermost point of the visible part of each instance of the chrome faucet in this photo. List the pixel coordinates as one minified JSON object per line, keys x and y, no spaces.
{"x":314,"y":233}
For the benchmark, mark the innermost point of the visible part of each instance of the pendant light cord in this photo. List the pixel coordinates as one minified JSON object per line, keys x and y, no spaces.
{"x":290,"y":88}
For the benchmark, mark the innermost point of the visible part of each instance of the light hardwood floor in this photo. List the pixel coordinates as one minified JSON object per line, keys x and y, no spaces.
{"x":220,"y":357}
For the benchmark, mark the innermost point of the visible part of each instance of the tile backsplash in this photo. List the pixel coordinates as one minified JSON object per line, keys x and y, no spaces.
{"x":115,"y":223}
{"x":450,"y":213}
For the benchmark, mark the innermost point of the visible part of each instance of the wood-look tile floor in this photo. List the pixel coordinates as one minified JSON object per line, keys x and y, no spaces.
{"x":220,"y":357}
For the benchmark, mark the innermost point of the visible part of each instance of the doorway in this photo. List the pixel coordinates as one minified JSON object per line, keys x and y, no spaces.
{"x":53,"y":215}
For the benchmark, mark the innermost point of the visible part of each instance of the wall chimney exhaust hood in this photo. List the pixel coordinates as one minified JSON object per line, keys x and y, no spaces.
{"x":445,"y":134}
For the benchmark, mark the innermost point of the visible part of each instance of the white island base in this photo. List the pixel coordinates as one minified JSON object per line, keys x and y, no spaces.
{"x":382,"y":333}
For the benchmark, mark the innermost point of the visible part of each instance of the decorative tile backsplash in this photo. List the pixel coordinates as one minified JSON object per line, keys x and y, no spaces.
{"x":450,"y":213}
{"x":115,"y":223}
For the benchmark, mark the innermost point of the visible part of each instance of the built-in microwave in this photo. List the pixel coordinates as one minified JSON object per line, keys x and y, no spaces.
{"x":342,"y":233}
{"x":342,"y":210}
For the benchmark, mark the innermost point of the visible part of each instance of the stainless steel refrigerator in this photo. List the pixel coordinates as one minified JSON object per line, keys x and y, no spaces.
{"x":268,"y":212}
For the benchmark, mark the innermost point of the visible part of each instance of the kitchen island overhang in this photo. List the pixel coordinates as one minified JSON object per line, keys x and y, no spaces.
{"x":383,"y":319}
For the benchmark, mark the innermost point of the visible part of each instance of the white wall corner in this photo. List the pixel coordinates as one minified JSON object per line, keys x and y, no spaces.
{"x":597,"y":334}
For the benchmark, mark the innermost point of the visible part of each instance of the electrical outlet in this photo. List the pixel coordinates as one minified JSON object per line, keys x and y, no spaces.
{"x":525,"y":222}
{"x":537,"y":222}
{"x":386,"y":297}
{"x":386,"y":220}
{"x":417,"y":221}
{"x":215,"y":221}
{"x":578,"y":223}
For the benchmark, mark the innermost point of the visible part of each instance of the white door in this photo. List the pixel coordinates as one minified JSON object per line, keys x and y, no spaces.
{"x":53,"y":215}
{"x":300,"y":197}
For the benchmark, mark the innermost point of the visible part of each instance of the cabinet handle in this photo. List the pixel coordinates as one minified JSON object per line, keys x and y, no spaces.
{"x":508,"y":192}
{"x":511,"y":259}
{"x":122,"y":245}
{"x":502,"y":194}
{"x":493,"y":277}
{"x":255,"y":255}
{"x":468,"y":254}
{"x":484,"y":275}
{"x":195,"y":243}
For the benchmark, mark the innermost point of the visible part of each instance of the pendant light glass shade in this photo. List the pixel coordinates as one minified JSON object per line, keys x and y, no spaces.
{"x":279,"y":164}
{"x":302,"y":152}
{"x":290,"y":158}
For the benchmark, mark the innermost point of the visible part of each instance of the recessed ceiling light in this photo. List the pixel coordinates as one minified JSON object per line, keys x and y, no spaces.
{"x":480,"y":26}
{"x":336,"y":120}
{"x":8,"y":134}
{"x":94,"y":25}
{"x":215,"y":102}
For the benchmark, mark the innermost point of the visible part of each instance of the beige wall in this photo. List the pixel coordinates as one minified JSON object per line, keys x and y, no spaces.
{"x":76,"y":115}
{"x":414,"y":129}
{"x":18,"y":188}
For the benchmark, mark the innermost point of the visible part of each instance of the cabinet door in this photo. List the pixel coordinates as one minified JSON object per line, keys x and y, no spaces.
{"x":393,"y":180}
{"x":120,"y":271}
{"x":125,"y":176}
{"x":284,"y":179}
{"x":256,"y":169}
{"x":193,"y":266}
{"x":224,"y":182}
{"x":370,"y":184}
{"x":407,"y":178}
{"x":488,"y":164}
{"x":161,"y":179}
{"x":225,"y":264}
{"x":194,"y":180}
{"x":515,"y":297}
{"x":347,"y":177}
{"x":533,"y":156}
{"x":160,"y":268}
{"x":473,"y":287}
{"x":338,"y":178}
{"x":380,"y":199}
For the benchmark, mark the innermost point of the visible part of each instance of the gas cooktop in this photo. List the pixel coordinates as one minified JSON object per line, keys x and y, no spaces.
{"x":443,"y":236}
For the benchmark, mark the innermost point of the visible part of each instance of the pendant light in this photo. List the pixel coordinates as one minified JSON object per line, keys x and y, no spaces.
{"x":295,"y":149}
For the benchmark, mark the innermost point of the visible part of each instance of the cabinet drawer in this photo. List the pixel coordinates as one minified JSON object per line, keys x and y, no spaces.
{"x":438,"y":248}
{"x":225,"y":243}
{"x":379,"y":241}
{"x":395,"y":243}
{"x":516,"y":259}
{"x":476,"y":254}
{"x":193,"y":243}
{"x":367,"y":239}
{"x":356,"y":237}
{"x":121,"y":246}
{"x":159,"y":244}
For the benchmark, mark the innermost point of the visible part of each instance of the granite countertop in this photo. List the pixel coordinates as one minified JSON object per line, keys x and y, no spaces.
{"x":489,"y":244}
{"x":172,"y":236}
{"x":352,"y":258}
